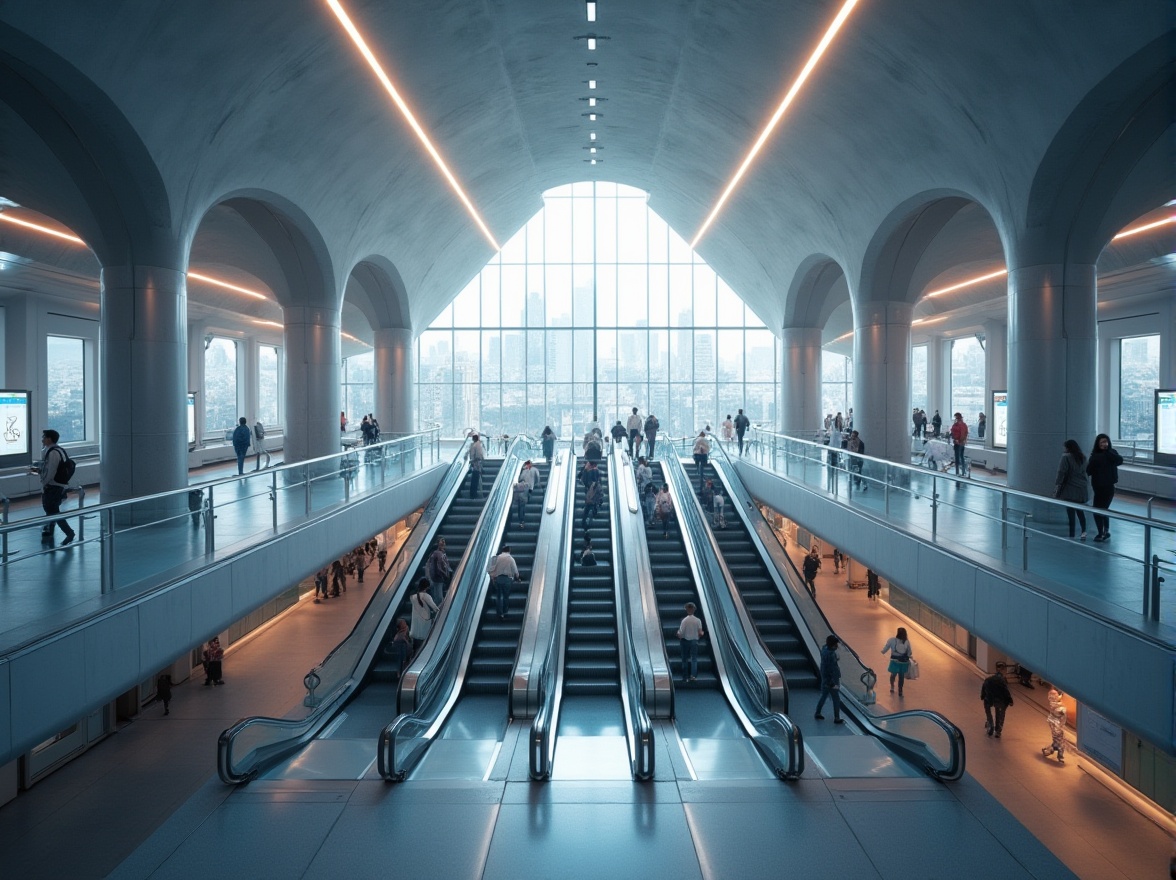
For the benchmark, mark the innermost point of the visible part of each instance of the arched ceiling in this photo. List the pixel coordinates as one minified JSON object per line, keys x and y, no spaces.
{"x":269,"y":95}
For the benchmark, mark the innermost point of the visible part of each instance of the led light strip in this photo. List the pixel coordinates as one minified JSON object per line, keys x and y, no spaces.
{"x":808,"y":68}
{"x":386,"y":82}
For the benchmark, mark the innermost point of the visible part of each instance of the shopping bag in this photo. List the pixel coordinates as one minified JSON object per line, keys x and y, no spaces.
{"x":913,"y":670}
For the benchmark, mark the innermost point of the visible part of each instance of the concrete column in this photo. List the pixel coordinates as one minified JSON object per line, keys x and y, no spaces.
{"x":800,"y":382}
{"x":144,"y":379}
{"x":313,"y":391}
{"x":996,"y":368}
{"x":938,"y":369}
{"x":882,"y":378}
{"x":395,"y":382}
{"x":1052,"y":342}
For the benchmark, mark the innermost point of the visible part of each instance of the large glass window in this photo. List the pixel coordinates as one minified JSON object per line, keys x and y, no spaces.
{"x":594,"y":307}
{"x":67,"y":387}
{"x":268,"y":385}
{"x":967,"y":380}
{"x":836,"y":383}
{"x":359,"y":387}
{"x":919,"y":377}
{"x":1139,"y":377}
{"x":221,"y":409}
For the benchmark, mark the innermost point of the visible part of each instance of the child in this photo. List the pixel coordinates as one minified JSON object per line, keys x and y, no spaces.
{"x":1057,"y":726}
{"x":689,"y":632}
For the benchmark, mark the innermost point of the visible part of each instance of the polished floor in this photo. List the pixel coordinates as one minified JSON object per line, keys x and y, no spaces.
{"x":173,"y":815}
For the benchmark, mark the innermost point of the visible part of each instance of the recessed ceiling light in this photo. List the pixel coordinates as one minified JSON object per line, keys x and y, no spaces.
{"x":592,"y":44}
{"x":1145,"y":227}
{"x":591,"y":83}
{"x":979,"y":279}
{"x":592,"y":149}
{"x":593,"y":161}
{"x":591,"y":10}
{"x":44,"y":230}
{"x":591,"y":135}
{"x":591,"y":117}
{"x":591,"y":102}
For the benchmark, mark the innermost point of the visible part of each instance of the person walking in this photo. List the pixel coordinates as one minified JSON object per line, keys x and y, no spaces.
{"x":873,"y":585}
{"x":701,"y":453}
{"x":1071,"y":484}
{"x":812,"y":564}
{"x":531,"y":477}
{"x":1057,"y":726}
{"x":936,"y":424}
{"x":547,"y":438}
{"x":742,"y":423}
{"x":591,"y":501}
{"x":503,"y":572}
{"x":649,"y":502}
{"x":338,"y":578}
{"x":1103,"y":470}
{"x":476,"y":455}
{"x":830,"y":679}
{"x":899,"y":648}
{"x":54,"y":484}
{"x":707,"y":496}
{"x":259,"y":445}
{"x":587,"y":553}
{"x":643,"y":475}
{"x":981,"y":425}
{"x":519,"y":495}
{"x":362,"y":560}
{"x":438,"y":572}
{"x":994,"y":691}
{"x":593,"y":447}
{"x":652,"y":426}
{"x":838,"y":560}
{"x":663,"y":508}
{"x":401,"y":646}
{"x":424,"y":609}
{"x":242,"y":437}
{"x":163,"y":691}
{"x":320,"y":585}
{"x":381,"y":552}
{"x":618,"y":432}
{"x":728,"y":429}
{"x":916,"y":421}
{"x":689,"y":632}
{"x":633,"y":427}
{"x":959,"y":443}
{"x":856,"y":445}
{"x":214,"y":658}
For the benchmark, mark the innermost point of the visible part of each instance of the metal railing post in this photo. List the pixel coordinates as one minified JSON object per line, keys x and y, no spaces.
{"x":1146,"y":556}
{"x":106,"y":544}
{"x":1004,"y":521}
{"x":209,"y":527}
{"x":934,"y":508}
{"x":306,"y":482}
{"x":81,"y":518}
{"x":886,"y":490}
{"x":274,"y":499}
{"x":4,"y":520}
{"x":1155,"y":588}
{"x":1025,"y":542}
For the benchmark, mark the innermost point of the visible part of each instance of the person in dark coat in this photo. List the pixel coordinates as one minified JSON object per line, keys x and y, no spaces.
{"x":997,"y":699}
{"x":830,"y":679}
{"x":163,"y":692}
{"x":812,"y":564}
{"x":1103,"y":469}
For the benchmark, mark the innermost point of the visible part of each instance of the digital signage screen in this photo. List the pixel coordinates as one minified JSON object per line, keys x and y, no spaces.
{"x":191,"y":419}
{"x":1000,"y":419}
{"x":1165,"y":451}
{"x":15,"y":448}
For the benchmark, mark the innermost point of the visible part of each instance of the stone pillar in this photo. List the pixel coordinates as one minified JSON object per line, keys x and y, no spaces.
{"x":313,"y":391}
{"x":882,"y":378}
{"x":395,"y":382}
{"x":1052,"y":345}
{"x":938,"y":380}
{"x":800,"y":382}
{"x":996,"y":369}
{"x":144,"y":380}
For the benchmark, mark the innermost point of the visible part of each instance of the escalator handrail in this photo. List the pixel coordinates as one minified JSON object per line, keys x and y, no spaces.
{"x":635,"y":668}
{"x":292,"y":734}
{"x":439,"y":670}
{"x":758,"y":529}
{"x":774,"y":734}
{"x":541,"y":750}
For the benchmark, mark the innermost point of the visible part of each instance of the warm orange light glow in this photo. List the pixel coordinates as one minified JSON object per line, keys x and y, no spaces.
{"x":37,"y":227}
{"x":386,"y":82}
{"x":979,"y":279}
{"x":261,"y":323}
{"x":1145,"y":227}
{"x":918,"y":321}
{"x":346,"y":335}
{"x":208,"y":279}
{"x":805,"y":71}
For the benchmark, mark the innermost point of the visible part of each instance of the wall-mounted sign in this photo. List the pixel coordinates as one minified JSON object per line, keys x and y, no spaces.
{"x":191,"y":419}
{"x":1100,"y":738}
{"x":1000,"y":419}
{"x":1165,"y":452}
{"x":15,"y":447}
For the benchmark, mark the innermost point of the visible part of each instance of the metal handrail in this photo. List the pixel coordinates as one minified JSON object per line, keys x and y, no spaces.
{"x":289,"y":735}
{"x":774,"y":734}
{"x":792,"y":593}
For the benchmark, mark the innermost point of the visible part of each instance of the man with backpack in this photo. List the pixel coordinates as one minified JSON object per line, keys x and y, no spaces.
{"x":259,"y":445}
{"x":742,"y":423}
{"x":57,"y":469}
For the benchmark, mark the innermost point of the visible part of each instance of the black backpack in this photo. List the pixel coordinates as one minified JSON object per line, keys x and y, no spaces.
{"x":65,"y":469}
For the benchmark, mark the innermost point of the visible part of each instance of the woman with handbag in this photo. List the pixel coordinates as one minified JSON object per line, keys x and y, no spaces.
{"x":899,"y":649}
{"x":423,"y":611}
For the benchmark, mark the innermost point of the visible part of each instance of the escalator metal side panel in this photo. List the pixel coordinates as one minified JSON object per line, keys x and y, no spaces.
{"x":550,"y":552}
{"x":633,"y":572}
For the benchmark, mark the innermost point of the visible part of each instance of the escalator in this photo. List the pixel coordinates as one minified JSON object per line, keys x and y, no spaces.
{"x":497,"y":640}
{"x":591,"y":665}
{"x":674,"y":585}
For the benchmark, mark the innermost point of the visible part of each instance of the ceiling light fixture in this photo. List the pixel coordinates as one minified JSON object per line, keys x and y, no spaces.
{"x":591,"y":83}
{"x":591,"y":135}
{"x":346,"y":335}
{"x":37,"y":227}
{"x":1138,"y":229}
{"x":979,"y":279}
{"x":805,"y":71}
{"x":842,"y":336}
{"x":592,"y":149}
{"x":591,"y":38}
{"x":593,"y":161}
{"x":918,"y":321}
{"x":261,"y":323}
{"x":591,"y":102}
{"x":374,"y":64}
{"x":591,"y":117}
{"x":591,"y":10}
{"x":216,"y":282}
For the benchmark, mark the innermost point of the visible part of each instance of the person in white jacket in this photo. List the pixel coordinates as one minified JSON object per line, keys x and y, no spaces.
{"x":702,"y":450}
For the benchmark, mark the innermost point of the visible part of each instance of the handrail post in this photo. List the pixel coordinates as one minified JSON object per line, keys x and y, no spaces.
{"x":934,"y":508}
{"x":1155,"y":588}
{"x":306,"y":483}
{"x":1025,"y":542}
{"x":274,"y":499}
{"x":81,"y":519}
{"x":106,"y":543}
{"x":1004,"y":521}
{"x":209,"y":527}
{"x":1147,"y":536}
{"x":4,"y":520}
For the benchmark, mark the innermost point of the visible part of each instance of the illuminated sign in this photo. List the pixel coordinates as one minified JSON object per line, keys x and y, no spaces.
{"x":1000,"y":419}
{"x":14,"y":428}
{"x":1165,"y":452}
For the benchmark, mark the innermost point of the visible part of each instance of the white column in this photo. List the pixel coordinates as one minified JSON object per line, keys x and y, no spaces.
{"x":144,"y":379}
{"x":938,"y":379}
{"x":1052,"y":340}
{"x":882,"y":378}
{"x":313,"y":390}
{"x":800,"y":382}
{"x":996,"y":368}
{"x":395,"y":382}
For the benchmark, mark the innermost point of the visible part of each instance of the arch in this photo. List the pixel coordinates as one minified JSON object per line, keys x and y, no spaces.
{"x":274,"y":240}
{"x":70,"y":153}
{"x":818,"y":288}
{"x":375,"y":287}
{"x":1113,"y":160}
